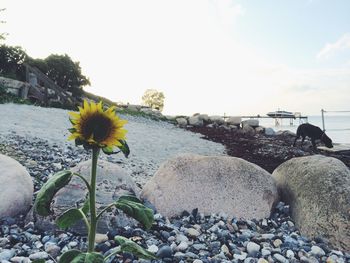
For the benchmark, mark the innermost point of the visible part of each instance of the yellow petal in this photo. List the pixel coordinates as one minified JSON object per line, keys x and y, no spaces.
{"x":74,"y":114}
{"x":93,"y":106}
{"x":99,"y":106}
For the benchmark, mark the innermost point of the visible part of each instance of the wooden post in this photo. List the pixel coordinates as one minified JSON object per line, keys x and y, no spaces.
{"x":322,"y":114}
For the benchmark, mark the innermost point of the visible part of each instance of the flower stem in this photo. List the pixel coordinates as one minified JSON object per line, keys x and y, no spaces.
{"x":93,"y":221}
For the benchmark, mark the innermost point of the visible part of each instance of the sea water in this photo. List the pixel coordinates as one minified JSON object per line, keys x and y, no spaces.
{"x":337,"y":126}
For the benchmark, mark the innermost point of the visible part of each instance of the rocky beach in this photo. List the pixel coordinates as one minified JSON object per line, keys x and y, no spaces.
{"x":36,"y":138}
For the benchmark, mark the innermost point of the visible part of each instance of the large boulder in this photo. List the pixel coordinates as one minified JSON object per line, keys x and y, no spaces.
{"x":182,"y":122}
{"x":248,"y":130}
{"x":317,"y":188}
{"x":217,"y":119}
{"x":112,"y":182}
{"x":234,"y":121}
{"x":204,"y":117}
{"x":195,"y":121}
{"x":211,"y":184}
{"x":251,"y":122}
{"x":16,"y":188}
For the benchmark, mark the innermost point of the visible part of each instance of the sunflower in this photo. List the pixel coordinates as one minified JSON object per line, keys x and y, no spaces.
{"x":94,"y":127}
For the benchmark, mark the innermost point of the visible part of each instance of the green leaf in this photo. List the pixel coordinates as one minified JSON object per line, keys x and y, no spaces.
{"x":72,"y":130}
{"x":108,"y":150}
{"x":134,"y":208}
{"x":94,"y":258}
{"x":124,"y":148}
{"x":71,"y":121}
{"x":68,"y":256}
{"x":88,"y":258}
{"x":48,"y":191}
{"x":130,"y":198}
{"x":127,"y":245}
{"x":73,"y":215}
{"x":69,"y":218}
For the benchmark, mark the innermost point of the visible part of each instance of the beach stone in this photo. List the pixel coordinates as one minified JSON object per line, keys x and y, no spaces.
{"x":16,"y":188}
{"x":203,"y":117}
{"x":253,"y":248}
{"x":259,"y":129}
{"x":248,"y":130}
{"x":212,"y":184}
{"x":182,"y":122}
{"x":217,"y":119}
{"x":269,"y":131}
{"x":317,"y":188}
{"x":193,"y":233}
{"x":112,"y":182}
{"x":164,"y":252}
{"x":38,"y":255}
{"x":195,"y":121}
{"x":6,"y":254}
{"x":251,"y":122}
{"x":234,"y":121}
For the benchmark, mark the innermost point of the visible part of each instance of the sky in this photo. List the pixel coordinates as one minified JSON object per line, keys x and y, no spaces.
{"x":233,"y":57}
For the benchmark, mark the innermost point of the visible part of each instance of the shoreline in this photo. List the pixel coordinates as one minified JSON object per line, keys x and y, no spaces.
{"x":265,"y":151}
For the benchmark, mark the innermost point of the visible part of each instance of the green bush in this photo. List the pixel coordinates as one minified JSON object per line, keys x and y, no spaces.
{"x":6,"y":97}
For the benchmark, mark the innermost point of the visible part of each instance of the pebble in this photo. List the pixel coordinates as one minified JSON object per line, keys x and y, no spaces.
{"x":241,"y":256}
{"x":182,"y":246}
{"x":289,"y":254}
{"x":38,"y":255}
{"x":153,"y":249}
{"x":100,"y":238}
{"x":7,"y":254}
{"x":20,"y":260}
{"x":277,"y":242}
{"x":280,"y":258}
{"x":191,"y":232}
{"x":317,"y":251}
{"x":191,"y":238}
{"x":253,"y":248}
{"x":164,"y":252}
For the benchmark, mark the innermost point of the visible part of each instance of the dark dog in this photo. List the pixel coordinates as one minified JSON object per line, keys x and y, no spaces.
{"x":315,"y":133}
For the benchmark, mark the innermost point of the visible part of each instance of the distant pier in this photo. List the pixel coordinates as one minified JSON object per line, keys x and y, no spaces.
{"x":278,"y":120}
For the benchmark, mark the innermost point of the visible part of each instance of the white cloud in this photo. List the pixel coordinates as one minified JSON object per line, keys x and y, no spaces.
{"x":331,"y":49}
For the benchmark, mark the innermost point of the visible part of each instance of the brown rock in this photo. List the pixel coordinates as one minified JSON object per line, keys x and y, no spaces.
{"x":211,"y":184}
{"x":318,"y":191}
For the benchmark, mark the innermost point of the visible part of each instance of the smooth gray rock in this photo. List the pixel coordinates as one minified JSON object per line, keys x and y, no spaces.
{"x":195,"y":121}
{"x":16,"y":188}
{"x":182,"y":122}
{"x":269,"y":131}
{"x":217,"y":119}
{"x":317,"y":188}
{"x":212,"y":184}
{"x":234,"y":121}
{"x":251,"y":122}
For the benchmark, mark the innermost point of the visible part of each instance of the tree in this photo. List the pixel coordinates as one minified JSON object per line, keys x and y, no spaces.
{"x":11,"y":62}
{"x":153,"y":99}
{"x":65,"y":73}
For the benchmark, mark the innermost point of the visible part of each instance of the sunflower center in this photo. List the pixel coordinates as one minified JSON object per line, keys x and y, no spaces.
{"x":97,"y":125}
